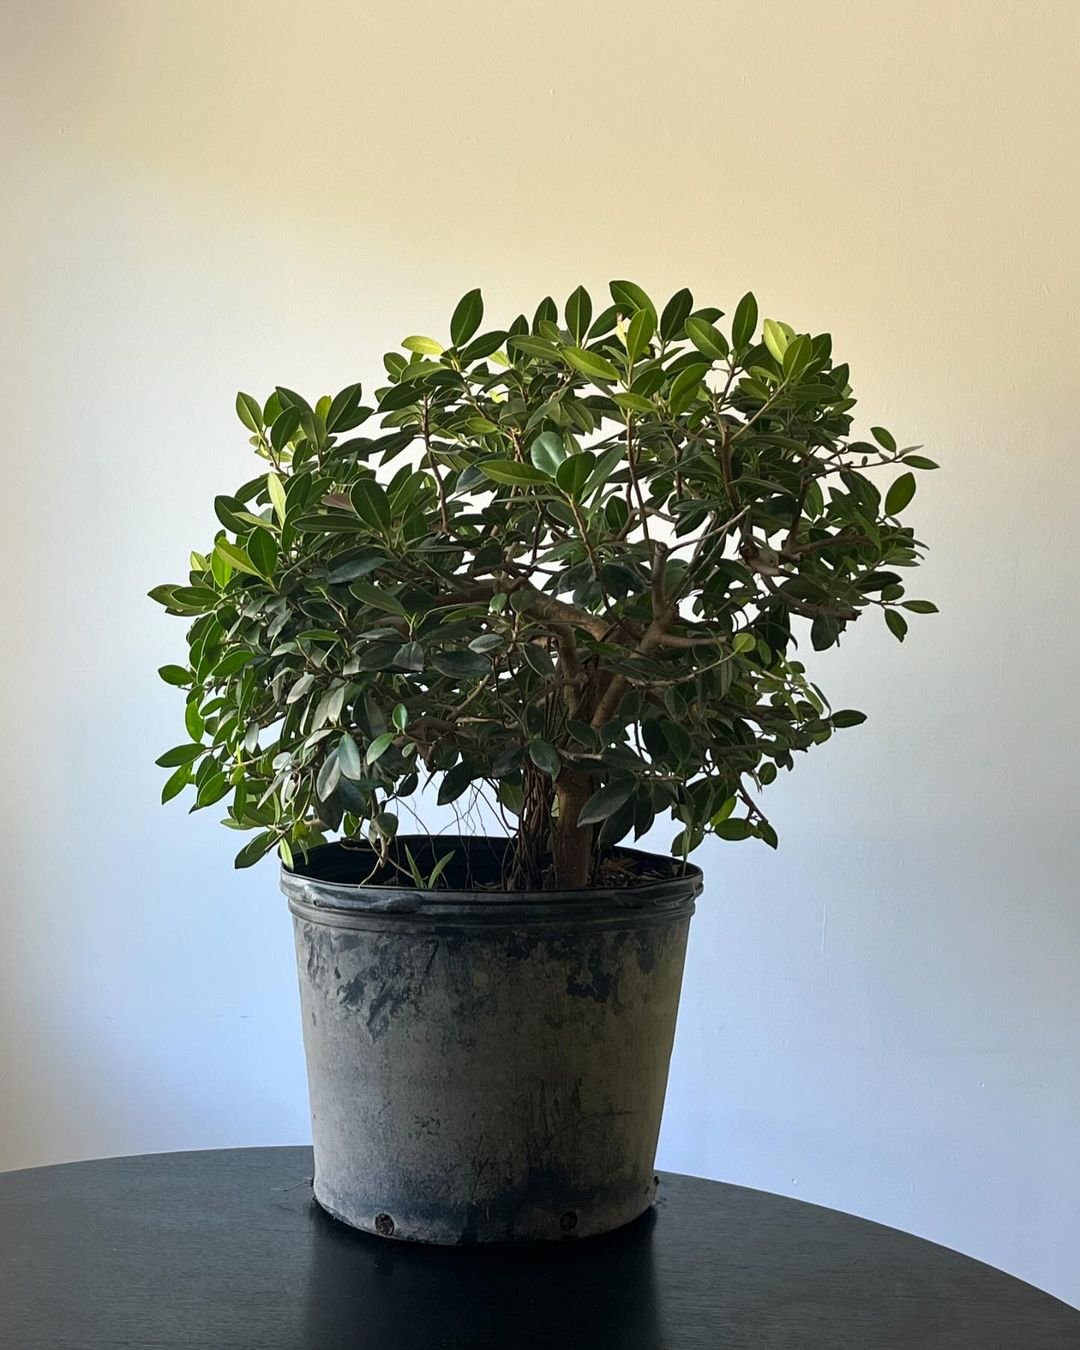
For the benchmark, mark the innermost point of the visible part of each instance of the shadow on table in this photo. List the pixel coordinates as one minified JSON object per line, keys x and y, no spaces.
{"x":366,"y":1291}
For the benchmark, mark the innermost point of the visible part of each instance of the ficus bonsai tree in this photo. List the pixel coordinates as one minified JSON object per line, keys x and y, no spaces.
{"x":567,"y":568}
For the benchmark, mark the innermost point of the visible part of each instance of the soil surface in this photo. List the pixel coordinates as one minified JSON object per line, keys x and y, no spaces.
{"x":476,"y":864}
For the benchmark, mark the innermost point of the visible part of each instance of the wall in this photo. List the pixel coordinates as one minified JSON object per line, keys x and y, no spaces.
{"x":882,"y":1017}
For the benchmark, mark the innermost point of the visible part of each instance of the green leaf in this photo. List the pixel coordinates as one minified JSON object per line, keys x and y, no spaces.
{"x":544,"y":755}
{"x":262,"y":549}
{"x":466,"y":318}
{"x":733,"y":829}
{"x":743,"y":642}
{"x":175,"y":783}
{"x":461,"y":664}
{"x":685,"y":386}
{"x":424,"y":345}
{"x":579,"y":314}
{"x":707,"y":339}
{"x":400,"y":716}
{"x":920,"y":606}
{"x":371,"y":504}
{"x":797,"y":356}
{"x":409,"y":656}
{"x":675,"y":314}
{"x":776,"y":339}
{"x":633,"y":403}
{"x":355,"y":568}
{"x":440,"y":867}
{"x":574,"y":472}
{"x":380,"y":744}
{"x":285,"y":428}
{"x":300,"y":688}
{"x":920,"y":462}
{"x":547,"y":452}
{"x":176,"y":675}
{"x":211,"y":790}
{"x":900,"y":494}
{"x":629,"y":297}
{"x":725,"y":810}
{"x":538,"y":659}
{"x":235,"y":556}
{"x":254,"y":850}
{"x":231,"y":662}
{"x":179,"y":754}
{"x":343,"y":411}
{"x":455,"y":782}
{"x":640,"y":332}
{"x":276,"y":488}
{"x":377,"y":598}
{"x":604,"y":802}
{"x":249,"y":412}
{"x":847,"y":717}
{"x":897,"y":624}
{"x":884,"y":438}
{"x":229,"y":511}
{"x":534,"y":346}
{"x":512,"y":473}
{"x":348,"y":753}
{"x":596,"y":367}
{"x":487,"y":344}
{"x":744,"y":322}
{"x":487,"y":642}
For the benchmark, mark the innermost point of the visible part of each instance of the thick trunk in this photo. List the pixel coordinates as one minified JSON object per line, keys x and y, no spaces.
{"x":571,"y":842}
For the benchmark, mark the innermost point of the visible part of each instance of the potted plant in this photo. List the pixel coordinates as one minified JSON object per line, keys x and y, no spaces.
{"x":564,"y":573}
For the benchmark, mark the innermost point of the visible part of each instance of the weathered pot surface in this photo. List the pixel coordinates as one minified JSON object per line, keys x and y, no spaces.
{"x":486,"y":1066}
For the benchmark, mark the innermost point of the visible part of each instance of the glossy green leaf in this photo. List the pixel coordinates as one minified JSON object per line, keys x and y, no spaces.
{"x":579,"y":314}
{"x":574,"y":472}
{"x":544,"y":755}
{"x":744,"y":321}
{"x":179,"y":754}
{"x":639,"y":332}
{"x":235,"y":556}
{"x":262,"y":550}
{"x":900,"y":494}
{"x":349,"y":760}
{"x":371,"y":504}
{"x":257,"y":848}
{"x":463,"y":664}
{"x":249,"y":412}
{"x":604,"y":803}
{"x":380,"y":744}
{"x":424,"y":345}
{"x":630,"y":297}
{"x":675,"y":314}
{"x":547,"y":452}
{"x":512,"y":473}
{"x":707,"y":339}
{"x":847,"y":717}
{"x":175,"y":675}
{"x":596,"y":367}
{"x":466,"y":318}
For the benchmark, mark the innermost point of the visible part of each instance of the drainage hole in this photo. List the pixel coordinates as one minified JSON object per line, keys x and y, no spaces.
{"x":384,"y":1225}
{"x":568,"y":1222}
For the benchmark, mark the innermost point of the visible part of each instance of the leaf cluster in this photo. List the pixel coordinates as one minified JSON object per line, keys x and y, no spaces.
{"x":584,"y":550}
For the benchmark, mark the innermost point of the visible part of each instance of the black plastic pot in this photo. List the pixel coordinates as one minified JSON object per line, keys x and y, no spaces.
{"x":486,"y":1066}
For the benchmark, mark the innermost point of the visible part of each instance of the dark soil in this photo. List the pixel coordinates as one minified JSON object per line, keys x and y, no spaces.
{"x":478,"y":864}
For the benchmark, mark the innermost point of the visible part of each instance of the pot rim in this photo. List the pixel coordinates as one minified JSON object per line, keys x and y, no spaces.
{"x":346,"y":904}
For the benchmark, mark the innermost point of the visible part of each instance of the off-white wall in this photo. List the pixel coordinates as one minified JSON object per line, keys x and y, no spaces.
{"x":883,"y":1017}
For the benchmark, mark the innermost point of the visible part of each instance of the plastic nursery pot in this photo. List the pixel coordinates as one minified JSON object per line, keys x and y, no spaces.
{"x":486,"y":1066}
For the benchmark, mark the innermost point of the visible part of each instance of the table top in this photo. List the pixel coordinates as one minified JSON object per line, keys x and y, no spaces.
{"x":227,"y":1249}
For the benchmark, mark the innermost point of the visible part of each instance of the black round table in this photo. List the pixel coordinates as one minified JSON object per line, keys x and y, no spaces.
{"x":227,"y":1249}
